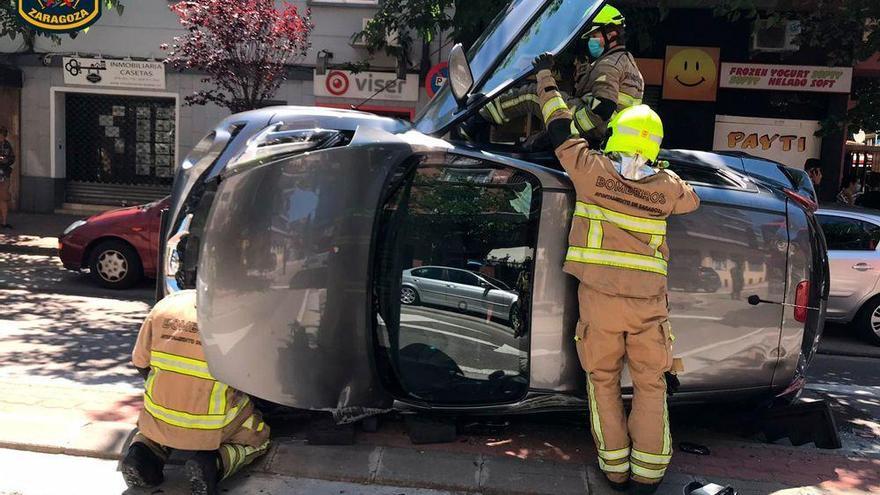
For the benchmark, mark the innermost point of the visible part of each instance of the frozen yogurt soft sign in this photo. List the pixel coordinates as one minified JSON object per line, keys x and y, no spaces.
{"x":786,"y":77}
{"x":385,"y":85}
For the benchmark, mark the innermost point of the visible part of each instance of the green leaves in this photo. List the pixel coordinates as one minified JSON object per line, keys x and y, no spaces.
{"x":414,"y":21}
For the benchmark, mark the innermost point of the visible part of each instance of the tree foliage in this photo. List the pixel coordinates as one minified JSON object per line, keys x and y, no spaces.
{"x":245,"y":47}
{"x":12,"y":26}
{"x":412,"y":22}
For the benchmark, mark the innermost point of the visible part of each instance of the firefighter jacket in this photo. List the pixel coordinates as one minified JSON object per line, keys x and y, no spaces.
{"x":613,"y":76}
{"x":617,"y":243}
{"x":184,"y":406}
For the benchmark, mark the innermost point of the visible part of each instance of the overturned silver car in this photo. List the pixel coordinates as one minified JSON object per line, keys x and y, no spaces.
{"x":301,"y":228}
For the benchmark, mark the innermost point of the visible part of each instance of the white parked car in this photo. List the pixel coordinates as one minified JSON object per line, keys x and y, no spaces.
{"x":853,"y":238}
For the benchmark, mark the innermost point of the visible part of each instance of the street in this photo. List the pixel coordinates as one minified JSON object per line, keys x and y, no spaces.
{"x":68,"y":400}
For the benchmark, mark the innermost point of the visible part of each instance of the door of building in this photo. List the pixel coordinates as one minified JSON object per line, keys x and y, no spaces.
{"x":120,"y":149}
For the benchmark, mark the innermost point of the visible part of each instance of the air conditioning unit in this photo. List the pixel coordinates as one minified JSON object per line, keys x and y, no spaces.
{"x":391,"y":39}
{"x":779,"y":36}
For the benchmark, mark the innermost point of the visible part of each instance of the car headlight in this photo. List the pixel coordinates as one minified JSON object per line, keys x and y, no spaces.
{"x":277,"y":142}
{"x":75,"y":225}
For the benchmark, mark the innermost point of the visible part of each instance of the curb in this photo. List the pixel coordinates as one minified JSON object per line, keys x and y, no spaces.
{"x":32,"y":250}
{"x":848,"y":353}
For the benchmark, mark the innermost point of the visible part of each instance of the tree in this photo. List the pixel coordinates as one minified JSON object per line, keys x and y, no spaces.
{"x":245,"y":47}
{"x":421,"y":21}
{"x":12,"y":26}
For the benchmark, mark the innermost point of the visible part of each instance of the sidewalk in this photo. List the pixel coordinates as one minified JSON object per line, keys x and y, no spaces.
{"x":34,"y":233}
{"x":522,"y":457}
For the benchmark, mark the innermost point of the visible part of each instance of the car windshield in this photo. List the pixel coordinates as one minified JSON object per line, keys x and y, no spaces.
{"x":552,"y":30}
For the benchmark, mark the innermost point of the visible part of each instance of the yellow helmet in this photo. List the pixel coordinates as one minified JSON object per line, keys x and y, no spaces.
{"x":636,"y":130}
{"x":608,"y":16}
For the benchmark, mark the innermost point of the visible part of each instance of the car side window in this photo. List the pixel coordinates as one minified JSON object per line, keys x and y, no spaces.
{"x":849,"y":234}
{"x":431,"y":273}
{"x":707,"y":175}
{"x":465,"y":278}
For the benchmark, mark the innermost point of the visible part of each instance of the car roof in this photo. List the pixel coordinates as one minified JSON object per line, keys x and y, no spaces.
{"x":849,"y":211}
{"x":708,"y":159}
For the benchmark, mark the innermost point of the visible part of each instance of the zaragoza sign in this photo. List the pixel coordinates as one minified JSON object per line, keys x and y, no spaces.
{"x":60,"y":16}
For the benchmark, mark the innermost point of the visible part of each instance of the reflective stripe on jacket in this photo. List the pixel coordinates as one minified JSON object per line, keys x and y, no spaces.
{"x":184,"y":406}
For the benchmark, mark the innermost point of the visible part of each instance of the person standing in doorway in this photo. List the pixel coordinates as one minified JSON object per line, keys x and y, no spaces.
{"x":848,"y":190}
{"x":7,"y":160}
{"x":813,"y":167}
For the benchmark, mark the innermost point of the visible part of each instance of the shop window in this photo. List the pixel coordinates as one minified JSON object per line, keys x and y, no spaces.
{"x":122,"y":140}
{"x":453,"y":333}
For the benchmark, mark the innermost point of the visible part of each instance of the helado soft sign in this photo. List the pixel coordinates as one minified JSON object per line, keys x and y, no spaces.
{"x":786,"y":77}
{"x":385,"y":85}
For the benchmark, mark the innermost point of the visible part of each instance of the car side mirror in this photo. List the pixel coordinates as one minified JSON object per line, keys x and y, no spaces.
{"x":461,"y":78}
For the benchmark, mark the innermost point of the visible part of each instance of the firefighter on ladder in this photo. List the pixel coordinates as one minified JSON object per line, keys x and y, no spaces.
{"x":185,"y":407}
{"x":618,"y":252}
{"x":609,"y":84}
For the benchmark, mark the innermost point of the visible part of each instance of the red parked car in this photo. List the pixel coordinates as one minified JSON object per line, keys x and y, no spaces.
{"x":117,"y":246}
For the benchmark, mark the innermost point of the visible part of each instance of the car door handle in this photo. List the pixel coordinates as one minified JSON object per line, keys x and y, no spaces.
{"x":862,"y":267}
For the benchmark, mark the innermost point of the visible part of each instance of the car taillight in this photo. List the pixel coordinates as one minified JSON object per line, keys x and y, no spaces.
{"x":801,"y":301}
{"x":802,"y":200}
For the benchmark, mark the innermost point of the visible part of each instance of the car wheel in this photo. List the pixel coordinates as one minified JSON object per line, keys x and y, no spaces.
{"x":115,"y":265}
{"x":408,"y":296}
{"x":515,"y":319}
{"x":868,"y":321}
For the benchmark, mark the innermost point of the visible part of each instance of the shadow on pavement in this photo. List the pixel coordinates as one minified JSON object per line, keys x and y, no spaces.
{"x":88,"y":340}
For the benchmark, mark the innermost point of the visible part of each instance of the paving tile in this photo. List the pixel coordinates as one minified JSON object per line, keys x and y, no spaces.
{"x":507,"y":475}
{"x":429,"y":469}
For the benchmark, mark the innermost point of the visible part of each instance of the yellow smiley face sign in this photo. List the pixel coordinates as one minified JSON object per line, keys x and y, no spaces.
{"x":691,"y":73}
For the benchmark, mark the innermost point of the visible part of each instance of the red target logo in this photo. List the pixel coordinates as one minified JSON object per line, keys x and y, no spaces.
{"x":336,"y":83}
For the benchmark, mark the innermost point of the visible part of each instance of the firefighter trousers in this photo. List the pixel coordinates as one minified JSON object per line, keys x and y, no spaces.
{"x":242,"y":447}
{"x":612,"y":330}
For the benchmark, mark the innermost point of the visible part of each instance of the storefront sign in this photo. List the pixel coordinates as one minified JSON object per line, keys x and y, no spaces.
{"x":115,"y":73}
{"x":652,"y":70}
{"x":384,"y":85}
{"x":691,"y":73}
{"x":786,"y":77}
{"x":60,"y":16}
{"x":786,"y":141}
{"x":436,"y":77}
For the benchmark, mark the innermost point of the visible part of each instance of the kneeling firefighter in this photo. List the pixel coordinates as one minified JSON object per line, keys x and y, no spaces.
{"x":618,"y":252}
{"x":610,"y":83}
{"x":185,"y":407}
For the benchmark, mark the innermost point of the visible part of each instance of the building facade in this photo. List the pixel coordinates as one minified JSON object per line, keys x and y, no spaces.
{"x":99,"y":120}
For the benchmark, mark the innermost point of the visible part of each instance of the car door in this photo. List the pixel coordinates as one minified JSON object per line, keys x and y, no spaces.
{"x":854,"y":261}
{"x":464,"y":292}
{"x":739,"y":232}
{"x":431,"y":284}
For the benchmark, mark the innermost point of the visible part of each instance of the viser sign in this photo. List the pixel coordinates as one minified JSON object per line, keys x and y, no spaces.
{"x":346,"y":84}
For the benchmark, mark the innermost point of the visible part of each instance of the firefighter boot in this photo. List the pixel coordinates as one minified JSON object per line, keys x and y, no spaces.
{"x":203,"y":473}
{"x":142,"y":467}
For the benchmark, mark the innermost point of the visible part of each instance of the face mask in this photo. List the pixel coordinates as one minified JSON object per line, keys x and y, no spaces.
{"x":595,"y":47}
{"x":634,"y":167}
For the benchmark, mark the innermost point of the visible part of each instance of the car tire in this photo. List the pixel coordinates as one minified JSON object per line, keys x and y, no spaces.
{"x":115,"y":264}
{"x":408,"y":296}
{"x":515,"y":319}
{"x":868,"y":321}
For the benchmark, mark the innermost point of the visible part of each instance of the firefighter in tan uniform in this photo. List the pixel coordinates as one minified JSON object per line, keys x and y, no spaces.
{"x":618,"y":252}
{"x":609,"y":84}
{"x":185,"y":407}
